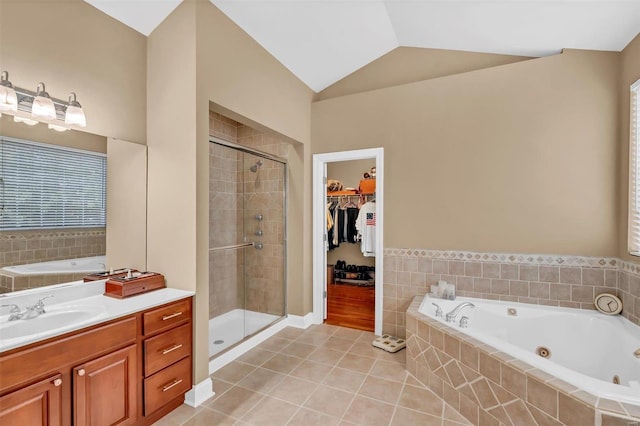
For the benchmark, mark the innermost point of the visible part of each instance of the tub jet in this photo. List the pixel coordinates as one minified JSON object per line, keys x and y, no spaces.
{"x":543,"y":352}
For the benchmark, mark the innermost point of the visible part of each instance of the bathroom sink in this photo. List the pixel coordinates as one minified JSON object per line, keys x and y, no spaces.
{"x":54,"y":320}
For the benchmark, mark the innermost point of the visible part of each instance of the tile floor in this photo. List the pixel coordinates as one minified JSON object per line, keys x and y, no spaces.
{"x":324,"y":375}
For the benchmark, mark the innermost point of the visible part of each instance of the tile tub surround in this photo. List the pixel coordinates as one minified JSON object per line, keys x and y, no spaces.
{"x":566,"y":281}
{"x":490,"y":387}
{"x":11,"y":282}
{"x":33,"y":246}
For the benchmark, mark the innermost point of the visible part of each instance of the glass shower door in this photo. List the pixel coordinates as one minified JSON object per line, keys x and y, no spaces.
{"x":264,"y":221}
{"x":246,"y":243}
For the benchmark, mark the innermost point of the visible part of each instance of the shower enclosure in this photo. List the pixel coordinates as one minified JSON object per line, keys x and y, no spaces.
{"x":247,"y":196}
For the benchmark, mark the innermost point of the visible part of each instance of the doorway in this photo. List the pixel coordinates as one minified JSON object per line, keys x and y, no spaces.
{"x":320,"y":270}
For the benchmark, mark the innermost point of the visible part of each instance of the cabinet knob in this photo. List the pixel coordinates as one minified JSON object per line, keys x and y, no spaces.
{"x":81,"y":372}
{"x":57,"y":382}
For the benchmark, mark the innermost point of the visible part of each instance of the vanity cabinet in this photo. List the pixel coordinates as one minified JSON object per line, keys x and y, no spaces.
{"x":132,"y":370}
{"x":36,"y":404}
{"x":167,"y":356}
{"x":104,"y":389}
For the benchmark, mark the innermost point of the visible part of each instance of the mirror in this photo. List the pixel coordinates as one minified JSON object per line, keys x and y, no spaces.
{"x":76,"y":251}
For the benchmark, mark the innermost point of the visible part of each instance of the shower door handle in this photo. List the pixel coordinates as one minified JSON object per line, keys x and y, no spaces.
{"x":235,"y":246}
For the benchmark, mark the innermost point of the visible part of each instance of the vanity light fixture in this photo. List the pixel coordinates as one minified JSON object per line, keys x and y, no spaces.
{"x":33,"y":107}
{"x":8,"y":97}
{"x":42,"y":106}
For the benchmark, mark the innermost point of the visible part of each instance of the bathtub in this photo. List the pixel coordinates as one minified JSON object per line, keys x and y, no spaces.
{"x":586,"y":348}
{"x":84,"y":265}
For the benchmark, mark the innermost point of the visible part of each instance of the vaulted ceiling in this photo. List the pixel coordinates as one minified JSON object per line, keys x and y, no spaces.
{"x":322,"y":41}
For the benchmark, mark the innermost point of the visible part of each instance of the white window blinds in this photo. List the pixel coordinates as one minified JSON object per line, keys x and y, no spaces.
{"x":46,"y":186}
{"x":634,"y":172}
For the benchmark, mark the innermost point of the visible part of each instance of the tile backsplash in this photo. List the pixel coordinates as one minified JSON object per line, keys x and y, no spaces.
{"x":566,"y":281}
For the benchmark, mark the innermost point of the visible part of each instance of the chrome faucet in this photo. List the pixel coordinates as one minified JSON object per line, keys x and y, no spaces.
{"x":14,"y":313}
{"x":30,"y":312}
{"x":39,"y":306}
{"x":438,"y":310}
{"x":451,"y":316}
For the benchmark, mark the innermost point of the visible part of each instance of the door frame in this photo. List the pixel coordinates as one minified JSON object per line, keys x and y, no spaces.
{"x":320,"y":162}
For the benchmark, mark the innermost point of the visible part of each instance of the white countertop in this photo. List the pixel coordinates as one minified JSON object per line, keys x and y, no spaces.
{"x":85,"y":299}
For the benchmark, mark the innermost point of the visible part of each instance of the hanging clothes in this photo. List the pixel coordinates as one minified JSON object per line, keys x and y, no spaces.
{"x":366,"y":225}
{"x":352,"y":231}
{"x":331,"y":232}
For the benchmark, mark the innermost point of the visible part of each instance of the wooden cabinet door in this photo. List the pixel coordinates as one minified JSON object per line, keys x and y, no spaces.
{"x":104,"y":390}
{"x":38,"y":404}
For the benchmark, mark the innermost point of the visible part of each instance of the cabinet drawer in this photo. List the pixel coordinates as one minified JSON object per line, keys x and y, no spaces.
{"x":165,"y":349}
{"x":166,"y":317}
{"x":166,"y":385}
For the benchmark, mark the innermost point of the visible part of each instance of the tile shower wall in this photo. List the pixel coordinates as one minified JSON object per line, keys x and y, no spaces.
{"x":22,"y":247}
{"x":263,"y":194}
{"x":566,"y":281}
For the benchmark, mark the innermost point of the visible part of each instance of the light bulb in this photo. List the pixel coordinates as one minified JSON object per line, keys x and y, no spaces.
{"x":43,"y":105}
{"x":8,"y":97}
{"x":74,"y":115}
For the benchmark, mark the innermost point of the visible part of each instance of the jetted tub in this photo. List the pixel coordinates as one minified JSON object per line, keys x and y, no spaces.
{"x":586,"y":348}
{"x":84,"y":265}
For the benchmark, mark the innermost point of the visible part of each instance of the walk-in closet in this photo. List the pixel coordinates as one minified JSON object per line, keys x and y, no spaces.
{"x":350,"y":244}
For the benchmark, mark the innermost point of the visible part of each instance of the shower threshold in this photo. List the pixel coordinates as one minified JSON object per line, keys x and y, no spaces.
{"x":231,"y":328}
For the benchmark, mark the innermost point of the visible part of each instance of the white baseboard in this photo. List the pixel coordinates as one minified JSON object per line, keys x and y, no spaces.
{"x":199,"y":393}
{"x":301,"y":322}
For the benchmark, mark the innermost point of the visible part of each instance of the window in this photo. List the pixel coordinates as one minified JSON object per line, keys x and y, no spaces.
{"x":47,"y":186}
{"x":634,"y":171}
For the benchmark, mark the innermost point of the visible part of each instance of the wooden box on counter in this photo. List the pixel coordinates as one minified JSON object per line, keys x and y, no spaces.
{"x":118,"y":273}
{"x":121,"y":286}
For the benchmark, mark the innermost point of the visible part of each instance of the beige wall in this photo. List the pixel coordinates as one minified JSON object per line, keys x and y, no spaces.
{"x":630,"y":72}
{"x":71,"y":46}
{"x":515,"y":158}
{"x":410,"y":64}
{"x":40,"y":133}
{"x":239,"y":79}
{"x":126,"y":205}
{"x":195,"y":57}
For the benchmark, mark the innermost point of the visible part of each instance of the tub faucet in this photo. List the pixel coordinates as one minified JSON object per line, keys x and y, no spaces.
{"x":14,"y":313}
{"x":438,"y":310}
{"x":451,"y":316}
{"x":38,"y":308}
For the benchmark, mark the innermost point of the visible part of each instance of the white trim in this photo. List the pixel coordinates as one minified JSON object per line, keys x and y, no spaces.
{"x":319,"y":223}
{"x":635,"y":85}
{"x":199,"y":393}
{"x":300,"y":322}
{"x":253,"y":341}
